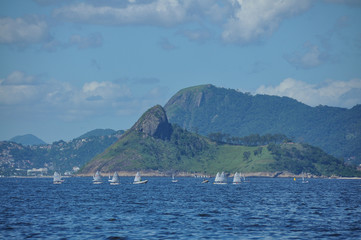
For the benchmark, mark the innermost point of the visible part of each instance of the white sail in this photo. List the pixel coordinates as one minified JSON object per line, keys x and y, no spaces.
{"x":115,"y":178}
{"x":303,"y":178}
{"x":57,"y":178}
{"x":97,"y":178}
{"x":173,"y":179}
{"x":217,"y":177}
{"x":236,"y":178}
{"x":138,"y":179}
{"x":220,"y":179}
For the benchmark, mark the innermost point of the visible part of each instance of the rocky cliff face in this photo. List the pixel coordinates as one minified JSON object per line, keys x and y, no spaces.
{"x":154,"y":123}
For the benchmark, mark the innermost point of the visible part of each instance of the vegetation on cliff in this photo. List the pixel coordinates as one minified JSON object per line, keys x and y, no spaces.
{"x":207,"y":109}
{"x":142,"y":148}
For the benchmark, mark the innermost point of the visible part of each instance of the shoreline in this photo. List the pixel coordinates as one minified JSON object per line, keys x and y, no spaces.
{"x":279,"y":174}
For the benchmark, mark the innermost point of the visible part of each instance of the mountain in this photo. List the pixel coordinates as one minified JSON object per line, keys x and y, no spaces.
{"x":60,"y":156}
{"x":28,"y":139}
{"x":98,"y":133}
{"x":153,"y":144}
{"x":207,"y":109}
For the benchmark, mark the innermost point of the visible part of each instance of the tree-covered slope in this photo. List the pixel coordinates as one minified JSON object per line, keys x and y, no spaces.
{"x":207,"y":109}
{"x":143,"y":148}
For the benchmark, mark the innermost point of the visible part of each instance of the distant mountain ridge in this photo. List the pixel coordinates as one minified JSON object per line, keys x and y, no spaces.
{"x":208,"y":109}
{"x":98,"y":133}
{"x":27,"y":140}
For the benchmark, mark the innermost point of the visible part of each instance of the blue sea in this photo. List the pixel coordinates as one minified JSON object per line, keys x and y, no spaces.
{"x":264,"y":208}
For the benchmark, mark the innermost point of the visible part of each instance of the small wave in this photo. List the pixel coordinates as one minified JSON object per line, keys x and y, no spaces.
{"x":204,"y":215}
{"x":116,"y":238}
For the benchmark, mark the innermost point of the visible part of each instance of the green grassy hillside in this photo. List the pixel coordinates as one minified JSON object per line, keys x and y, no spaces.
{"x":189,"y":152}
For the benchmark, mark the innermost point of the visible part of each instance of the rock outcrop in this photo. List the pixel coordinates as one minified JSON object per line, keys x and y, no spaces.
{"x":154,"y":123}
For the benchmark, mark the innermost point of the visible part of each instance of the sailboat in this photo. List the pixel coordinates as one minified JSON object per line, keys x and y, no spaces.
{"x":115,"y":179}
{"x":97,"y":179}
{"x":220,"y":179}
{"x":57,"y":178}
{"x":237,"y":178}
{"x":303,"y":178}
{"x":244,"y":178}
{"x":138,"y":179}
{"x":174,"y":180}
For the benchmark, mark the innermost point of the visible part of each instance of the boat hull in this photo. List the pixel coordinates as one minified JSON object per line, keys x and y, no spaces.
{"x":97,"y":182}
{"x":114,"y":183}
{"x":141,"y":182}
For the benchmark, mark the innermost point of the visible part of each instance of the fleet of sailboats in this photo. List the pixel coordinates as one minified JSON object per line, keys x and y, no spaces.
{"x":220,"y":179}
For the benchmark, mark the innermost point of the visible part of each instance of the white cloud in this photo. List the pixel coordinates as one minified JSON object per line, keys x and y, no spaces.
{"x":25,"y":94}
{"x":198,"y":35}
{"x":21,"y":30}
{"x":241,"y":21}
{"x":351,"y":3}
{"x":161,"y":12}
{"x":92,"y":41}
{"x":331,"y":92}
{"x":254,"y":19}
{"x":310,"y":57}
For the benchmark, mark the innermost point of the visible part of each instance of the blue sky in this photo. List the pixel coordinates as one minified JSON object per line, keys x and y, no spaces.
{"x":68,"y":67}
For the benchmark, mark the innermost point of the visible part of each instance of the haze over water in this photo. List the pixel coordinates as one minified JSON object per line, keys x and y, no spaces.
{"x":272,"y":208}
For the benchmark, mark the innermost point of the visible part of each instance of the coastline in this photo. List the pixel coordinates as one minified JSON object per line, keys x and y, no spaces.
{"x":278,"y":174}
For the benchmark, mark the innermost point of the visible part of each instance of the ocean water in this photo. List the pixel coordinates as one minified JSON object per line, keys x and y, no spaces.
{"x":264,"y":208}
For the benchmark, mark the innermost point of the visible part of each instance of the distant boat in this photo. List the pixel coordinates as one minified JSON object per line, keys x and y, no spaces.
{"x":205,"y":181}
{"x":303,"y":178}
{"x":174,"y":180}
{"x":57,"y":178}
{"x":115,"y":179}
{"x":244,"y":178}
{"x":97,"y":179}
{"x":237,"y":178}
{"x":138,"y":179}
{"x":220,"y":179}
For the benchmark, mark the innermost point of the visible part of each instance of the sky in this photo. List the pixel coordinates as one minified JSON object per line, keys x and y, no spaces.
{"x":68,"y":67}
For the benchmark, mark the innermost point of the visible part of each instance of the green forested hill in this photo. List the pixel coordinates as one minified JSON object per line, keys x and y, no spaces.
{"x":143,"y":148}
{"x":207,"y":109}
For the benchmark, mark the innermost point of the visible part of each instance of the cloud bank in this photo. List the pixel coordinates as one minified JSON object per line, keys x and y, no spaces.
{"x":19,"y":91}
{"x":21,"y":30}
{"x":332,"y":93}
{"x":240,"y":21}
